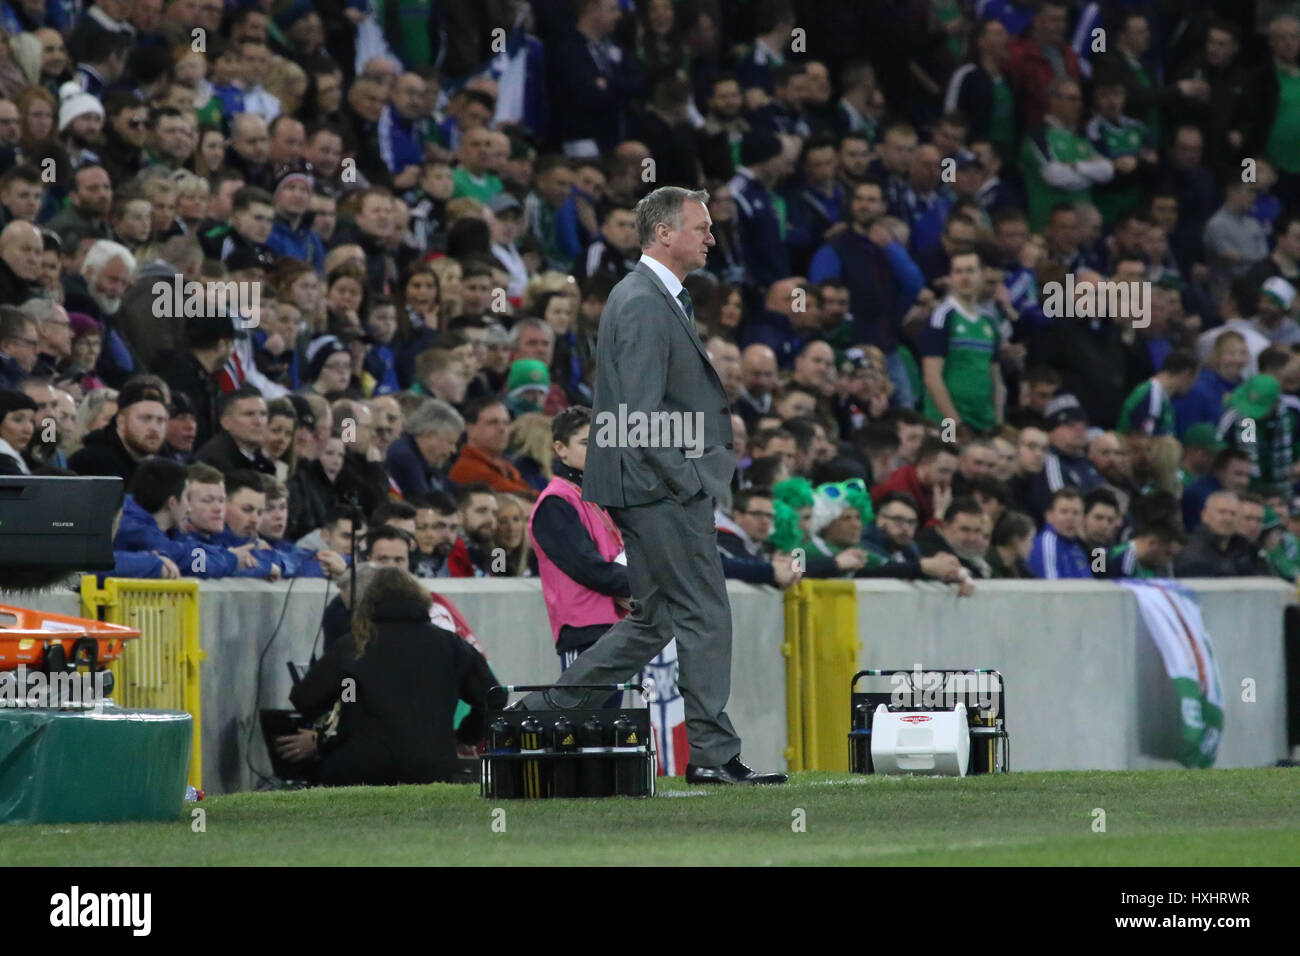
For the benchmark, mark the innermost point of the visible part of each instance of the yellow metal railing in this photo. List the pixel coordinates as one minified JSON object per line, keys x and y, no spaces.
{"x":160,"y":670}
{"x":821,"y":651}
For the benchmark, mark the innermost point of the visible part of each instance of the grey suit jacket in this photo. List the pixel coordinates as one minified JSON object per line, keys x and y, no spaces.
{"x":661,"y":424}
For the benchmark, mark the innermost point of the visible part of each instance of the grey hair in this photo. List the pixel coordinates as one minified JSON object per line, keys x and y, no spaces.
{"x":102,"y":253}
{"x":663,"y":205}
{"x":434,"y":415}
{"x":530,"y":323}
{"x":39,"y":311}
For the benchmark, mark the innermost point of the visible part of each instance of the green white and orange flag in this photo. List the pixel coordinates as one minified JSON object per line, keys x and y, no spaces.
{"x":1170,"y":616}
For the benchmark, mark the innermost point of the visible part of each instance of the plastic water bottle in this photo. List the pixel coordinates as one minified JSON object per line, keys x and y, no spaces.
{"x":192,"y":795}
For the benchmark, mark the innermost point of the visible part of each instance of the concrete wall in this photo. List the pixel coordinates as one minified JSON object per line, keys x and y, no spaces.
{"x":1078,"y":682}
{"x":509,"y":619}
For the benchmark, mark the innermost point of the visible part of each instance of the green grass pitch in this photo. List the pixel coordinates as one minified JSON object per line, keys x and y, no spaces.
{"x":1184,"y":818}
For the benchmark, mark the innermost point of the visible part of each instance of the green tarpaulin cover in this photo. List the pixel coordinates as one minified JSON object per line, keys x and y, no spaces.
{"x":79,"y":766}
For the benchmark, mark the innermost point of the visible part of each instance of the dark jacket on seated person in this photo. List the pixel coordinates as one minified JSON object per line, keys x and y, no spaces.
{"x":742,"y":558}
{"x":930,"y":542}
{"x":222,"y":453}
{"x":103,"y":453}
{"x":1205,"y":556}
{"x":312,"y":494}
{"x":398,"y":727}
{"x":408,"y":468}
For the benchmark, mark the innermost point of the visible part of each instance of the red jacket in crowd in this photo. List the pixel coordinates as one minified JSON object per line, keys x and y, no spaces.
{"x":904,"y":479}
{"x":1029,"y":71}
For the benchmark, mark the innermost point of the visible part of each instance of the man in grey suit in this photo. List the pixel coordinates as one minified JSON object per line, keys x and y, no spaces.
{"x":659,"y":454}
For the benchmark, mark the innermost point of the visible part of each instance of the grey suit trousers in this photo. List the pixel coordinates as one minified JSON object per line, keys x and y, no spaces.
{"x":678,"y":590}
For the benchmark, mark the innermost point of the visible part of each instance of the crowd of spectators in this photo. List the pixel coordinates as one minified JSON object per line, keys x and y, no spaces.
{"x":316,"y":279}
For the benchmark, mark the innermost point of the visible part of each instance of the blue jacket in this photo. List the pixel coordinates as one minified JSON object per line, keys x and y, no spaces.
{"x":55,"y":16}
{"x":774,"y":330}
{"x":232,"y":100}
{"x":1022,"y":283}
{"x":412,"y":473}
{"x":766,"y":257}
{"x":299,"y":243}
{"x":883,"y":284}
{"x":381,"y":362}
{"x":296,"y":562}
{"x":266,"y":558}
{"x":590,"y":112}
{"x":1060,"y":470}
{"x":11,"y":373}
{"x":1203,"y":401}
{"x":213,"y":549}
{"x":139,"y":532}
{"x":569,"y":234}
{"x":134,"y":564}
{"x":810,"y":214}
{"x":399,"y":142}
{"x":1055,"y":556}
{"x":535,"y":110}
{"x":754,"y":68}
{"x":926,"y":215}
{"x":1016,"y":17}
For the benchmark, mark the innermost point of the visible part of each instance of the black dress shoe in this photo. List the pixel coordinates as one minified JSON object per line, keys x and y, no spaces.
{"x":733,"y":772}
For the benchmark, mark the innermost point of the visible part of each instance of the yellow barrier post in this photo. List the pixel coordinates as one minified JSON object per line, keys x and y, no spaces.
{"x":821,"y":650}
{"x":796,"y":602}
{"x":160,"y":671}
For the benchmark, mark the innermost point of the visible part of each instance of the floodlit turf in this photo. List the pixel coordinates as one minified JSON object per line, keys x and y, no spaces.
{"x":1217,"y":817}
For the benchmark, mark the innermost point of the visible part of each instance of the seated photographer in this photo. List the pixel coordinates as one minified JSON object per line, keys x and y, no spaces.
{"x":405,"y":676}
{"x":393,"y":547}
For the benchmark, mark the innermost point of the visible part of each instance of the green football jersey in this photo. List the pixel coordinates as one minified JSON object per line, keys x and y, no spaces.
{"x":968,"y":344}
{"x":480,"y":188}
{"x":1128,"y":137}
{"x":1147,"y":411}
{"x":1051,"y":144}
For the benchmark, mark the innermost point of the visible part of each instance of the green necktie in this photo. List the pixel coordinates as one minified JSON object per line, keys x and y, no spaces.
{"x":684,"y":298}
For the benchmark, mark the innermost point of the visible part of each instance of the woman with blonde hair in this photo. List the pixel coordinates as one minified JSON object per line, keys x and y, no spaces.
{"x":529,"y":447}
{"x":1165,"y":458}
{"x":95,"y":411}
{"x":512,"y":537}
{"x":192,"y":194}
{"x":549,"y":281}
{"x":288,"y":82}
{"x":464,"y":207}
{"x":25,"y":50}
{"x":408,"y":674}
{"x":12,"y":79}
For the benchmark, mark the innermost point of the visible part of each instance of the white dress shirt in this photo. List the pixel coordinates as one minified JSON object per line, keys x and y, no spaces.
{"x":670,"y":281}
